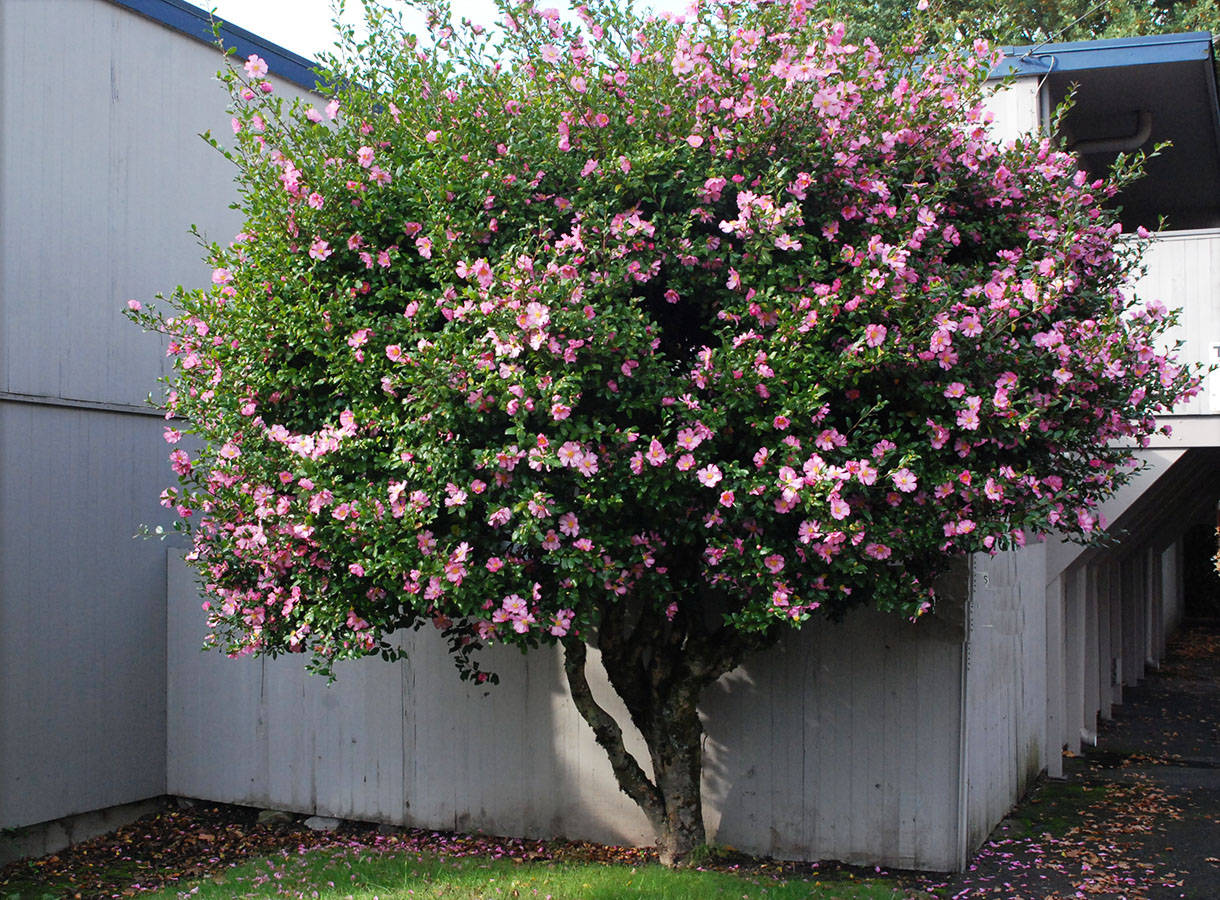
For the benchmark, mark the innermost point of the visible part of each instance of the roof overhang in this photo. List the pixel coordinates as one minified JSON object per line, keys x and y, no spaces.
{"x":1133,"y":94}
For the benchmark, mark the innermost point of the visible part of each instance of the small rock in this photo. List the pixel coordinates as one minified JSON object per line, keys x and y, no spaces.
{"x":275,"y":817}
{"x":185,"y":803}
{"x":389,"y":829}
{"x":321,"y":823}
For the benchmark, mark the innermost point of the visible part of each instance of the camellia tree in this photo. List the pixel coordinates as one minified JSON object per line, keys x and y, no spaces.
{"x":654,"y":334}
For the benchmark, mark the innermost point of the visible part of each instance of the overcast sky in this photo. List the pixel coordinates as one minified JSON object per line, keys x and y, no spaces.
{"x":304,"y":25}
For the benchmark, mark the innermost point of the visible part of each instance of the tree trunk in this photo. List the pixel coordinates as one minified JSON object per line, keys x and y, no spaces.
{"x":659,"y":672}
{"x":675,"y":744}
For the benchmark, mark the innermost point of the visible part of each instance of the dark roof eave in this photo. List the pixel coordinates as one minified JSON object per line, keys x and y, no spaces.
{"x":1080,"y":56}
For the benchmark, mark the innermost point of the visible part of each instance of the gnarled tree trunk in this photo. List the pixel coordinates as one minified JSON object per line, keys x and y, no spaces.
{"x":659,"y":669}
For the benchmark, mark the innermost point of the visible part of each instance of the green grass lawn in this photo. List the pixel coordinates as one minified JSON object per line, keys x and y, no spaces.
{"x":360,"y":874}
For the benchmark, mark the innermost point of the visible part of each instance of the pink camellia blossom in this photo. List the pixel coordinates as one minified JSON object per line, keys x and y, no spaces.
{"x":726,"y":498}
{"x":839,"y":508}
{"x":394,"y":353}
{"x":255,"y":66}
{"x":356,"y":569}
{"x":332,"y":109}
{"x":134,"y":305}
{"x":874,"y":335}
{"x":710,"y":475}
{"x":364,"y":156}
{"x":319,"y":249}
{"x":904,"y":480}
{"x":655,"y":455}
{"x":569,"y":524}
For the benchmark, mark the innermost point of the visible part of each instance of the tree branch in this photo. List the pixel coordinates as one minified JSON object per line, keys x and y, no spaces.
{"x":631,"y":778}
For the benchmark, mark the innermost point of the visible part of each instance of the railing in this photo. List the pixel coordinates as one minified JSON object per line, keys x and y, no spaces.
{"x":1183,"y":271}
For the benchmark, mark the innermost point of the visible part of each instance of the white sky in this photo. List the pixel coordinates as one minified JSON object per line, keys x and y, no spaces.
{"x":304,"y":25}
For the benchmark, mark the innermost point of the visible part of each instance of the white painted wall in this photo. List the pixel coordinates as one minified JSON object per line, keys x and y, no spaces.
{"x":1183,"y":270}
{"x":840,"y":743}
{"x":1006,"y":685}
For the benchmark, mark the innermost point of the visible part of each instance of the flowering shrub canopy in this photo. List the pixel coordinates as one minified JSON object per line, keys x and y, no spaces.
{"x":723,"y":315}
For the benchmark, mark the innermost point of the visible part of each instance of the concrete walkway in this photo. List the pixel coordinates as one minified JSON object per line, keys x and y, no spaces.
{"x":1137,"y":817}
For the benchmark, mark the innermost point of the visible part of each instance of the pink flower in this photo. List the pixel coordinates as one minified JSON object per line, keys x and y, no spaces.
{"x":656,"y":454}
{"x":839,"y":509}
{"x":319,"y":249}
{"x":256,"y":66}
{"x":134,"y":305}
{"x":904,"y":480}
{"x":221,"y":276}
{"x":569,"y":524}
{"x":874,"y":335}
{"x":356,"y":569}
{"x":710,"y":475}
{"x":394,"y":353}
{"x":726,"y":498}
{"x":332,"y":109}
{"x":774,"y":563}
{"x":364,"y":156}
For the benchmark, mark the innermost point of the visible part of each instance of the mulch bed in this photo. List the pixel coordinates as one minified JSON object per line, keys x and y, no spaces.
{"x":181,"y":844}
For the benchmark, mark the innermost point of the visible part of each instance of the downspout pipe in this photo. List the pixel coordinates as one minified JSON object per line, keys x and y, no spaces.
{"x":1126,"y":144}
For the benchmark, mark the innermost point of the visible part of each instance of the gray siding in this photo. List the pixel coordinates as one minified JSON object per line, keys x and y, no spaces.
{"x":1006,"y":695}
{"x":839,"y":744}
{"x":82,"y":612}
{"x":102,"y":173}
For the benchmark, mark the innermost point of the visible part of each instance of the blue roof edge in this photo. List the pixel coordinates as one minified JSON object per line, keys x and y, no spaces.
{"x":197,"y":23}
{"x":1079,"y":56}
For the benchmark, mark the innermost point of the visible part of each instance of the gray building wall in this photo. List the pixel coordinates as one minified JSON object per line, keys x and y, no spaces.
{"x":842,"y":742}
{"x":102,"y":174}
